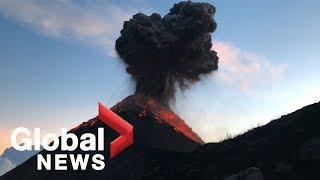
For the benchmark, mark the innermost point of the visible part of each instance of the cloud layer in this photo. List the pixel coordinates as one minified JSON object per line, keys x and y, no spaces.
{"x":12,"y":158}
{"x":245,"y":70}
{"x":5,"y":165}
{"x":95,"y":23}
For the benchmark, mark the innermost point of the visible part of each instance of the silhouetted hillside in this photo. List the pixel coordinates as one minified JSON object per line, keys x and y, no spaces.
{"x":286,"y":149}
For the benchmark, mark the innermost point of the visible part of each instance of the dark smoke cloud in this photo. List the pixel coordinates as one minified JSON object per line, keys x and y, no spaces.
{"x":163,"y":51}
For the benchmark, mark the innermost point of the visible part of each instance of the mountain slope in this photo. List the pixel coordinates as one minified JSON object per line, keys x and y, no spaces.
{"x":286,"y":148}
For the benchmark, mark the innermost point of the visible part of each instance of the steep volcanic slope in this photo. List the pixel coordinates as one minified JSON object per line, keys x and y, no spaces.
{"x":144,"y":108}
{"x":158,"y":135}
{"x":286,"y":149}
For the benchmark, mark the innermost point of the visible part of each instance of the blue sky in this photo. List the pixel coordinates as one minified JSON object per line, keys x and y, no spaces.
{"x":57,"y":62}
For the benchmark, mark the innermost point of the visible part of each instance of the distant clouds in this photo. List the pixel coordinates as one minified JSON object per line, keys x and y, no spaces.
{"x":5,"y":165}
{"x":95,"y":23}
{"x":245,"y":70}
{"x":12,"y":158}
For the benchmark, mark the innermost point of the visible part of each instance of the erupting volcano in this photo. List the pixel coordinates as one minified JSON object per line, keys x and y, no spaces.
{"x":161,"y":54}
{"x":150,"y":107}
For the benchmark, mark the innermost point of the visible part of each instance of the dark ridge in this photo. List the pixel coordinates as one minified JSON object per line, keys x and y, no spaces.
{"x":287,"y":148}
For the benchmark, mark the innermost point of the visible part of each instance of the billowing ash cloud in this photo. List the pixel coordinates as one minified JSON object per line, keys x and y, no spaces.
{"x":162,"y":51}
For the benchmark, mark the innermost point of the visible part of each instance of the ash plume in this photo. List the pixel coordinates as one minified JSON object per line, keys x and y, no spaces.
{"x":161,"y":52}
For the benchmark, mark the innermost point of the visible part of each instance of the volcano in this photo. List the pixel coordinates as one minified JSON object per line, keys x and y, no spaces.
{"x":159,"y":134}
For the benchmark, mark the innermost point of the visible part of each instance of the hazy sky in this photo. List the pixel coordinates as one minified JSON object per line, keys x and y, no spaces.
{"x":57,"y":62}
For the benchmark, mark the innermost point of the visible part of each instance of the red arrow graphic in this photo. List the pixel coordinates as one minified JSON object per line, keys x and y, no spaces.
{"x":120,"y":126}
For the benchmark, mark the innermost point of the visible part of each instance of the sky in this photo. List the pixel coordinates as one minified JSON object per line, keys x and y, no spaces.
{"x":57,"y":61}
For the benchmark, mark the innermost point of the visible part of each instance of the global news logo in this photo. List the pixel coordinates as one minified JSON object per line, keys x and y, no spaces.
{"x":86,"y":142}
